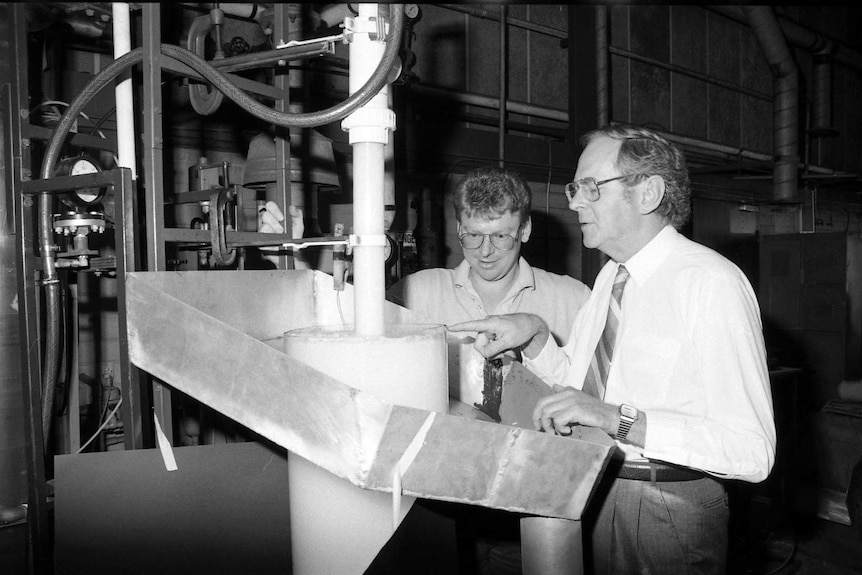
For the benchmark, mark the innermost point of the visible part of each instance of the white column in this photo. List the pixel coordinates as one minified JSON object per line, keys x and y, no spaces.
{"x":370,"y":128}
{"x":123,"y":90}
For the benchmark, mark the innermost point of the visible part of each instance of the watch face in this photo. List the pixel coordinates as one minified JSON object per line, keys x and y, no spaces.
{"x":628,"y":411}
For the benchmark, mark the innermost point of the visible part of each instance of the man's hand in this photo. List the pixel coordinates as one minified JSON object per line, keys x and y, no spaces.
{"x":570,"y":406}
{"x":498,"y":333}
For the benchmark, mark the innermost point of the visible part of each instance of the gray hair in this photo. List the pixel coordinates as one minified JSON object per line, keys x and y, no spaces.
{"x":645,"y":152}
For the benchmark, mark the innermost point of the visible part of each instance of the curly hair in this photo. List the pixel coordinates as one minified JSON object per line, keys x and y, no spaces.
{"x":645,"y":152}
{"x":491,"y":192}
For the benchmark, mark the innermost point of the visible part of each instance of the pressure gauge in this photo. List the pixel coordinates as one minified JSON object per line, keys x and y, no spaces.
{"x":389,"y":251}
{"x":76,"y":166}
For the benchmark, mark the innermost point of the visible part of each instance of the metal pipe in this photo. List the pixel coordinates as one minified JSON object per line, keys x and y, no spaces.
{"x":603,"y":100}
{"x":821,"y":97}
{"x":473,"y":99}
{"x":504,"y":53}
{"x":803,"y":38}
{"x":786,"y":103}
{"x":690,"y":73}
{"x":517,"y":22}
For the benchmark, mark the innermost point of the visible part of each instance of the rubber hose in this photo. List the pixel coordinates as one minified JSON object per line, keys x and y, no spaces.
{"x":311,"y":119}
{"x":204,"y":99}
{"x":284,"y":119}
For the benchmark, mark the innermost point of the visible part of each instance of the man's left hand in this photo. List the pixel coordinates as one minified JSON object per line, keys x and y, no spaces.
{"x":569,"y":406}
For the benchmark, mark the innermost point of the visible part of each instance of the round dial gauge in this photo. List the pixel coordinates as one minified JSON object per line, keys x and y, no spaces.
{"x":76,"y":166}
{"x":389,"y":250}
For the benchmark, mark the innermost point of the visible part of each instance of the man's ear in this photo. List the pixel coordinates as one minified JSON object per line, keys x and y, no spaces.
{"x":526,"y":229}
{"x":652,"y":194}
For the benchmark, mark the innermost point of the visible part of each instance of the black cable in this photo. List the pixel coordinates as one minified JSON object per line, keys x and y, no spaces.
{"x":284,"y":119}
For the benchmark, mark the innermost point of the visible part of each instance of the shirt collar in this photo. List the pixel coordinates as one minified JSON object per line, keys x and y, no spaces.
{"x":641,"y":265}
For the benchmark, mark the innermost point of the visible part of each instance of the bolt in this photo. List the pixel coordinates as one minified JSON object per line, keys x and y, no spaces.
{"x":90,"y":12}
{"x":25,"y":142}
{"x":24,"y":113}
{"x":28,"y":202}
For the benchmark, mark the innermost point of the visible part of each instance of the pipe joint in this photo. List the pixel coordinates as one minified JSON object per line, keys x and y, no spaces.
{"x":376,"y":28}
{"x":369,"y":125}
{"x":367,"y":240}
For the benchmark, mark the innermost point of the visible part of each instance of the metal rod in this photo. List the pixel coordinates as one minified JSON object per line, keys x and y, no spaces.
{"x":504,"y":54}
{"x":517,"y":22}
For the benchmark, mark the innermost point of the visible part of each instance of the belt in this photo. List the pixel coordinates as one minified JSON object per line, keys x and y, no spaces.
{"x":655,"y":471}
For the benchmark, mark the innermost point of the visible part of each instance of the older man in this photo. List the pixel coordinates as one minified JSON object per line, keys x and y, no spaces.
{"x":669,"y":360}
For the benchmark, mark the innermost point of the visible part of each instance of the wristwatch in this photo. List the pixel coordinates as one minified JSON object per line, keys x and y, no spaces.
{"x":628,"y":415}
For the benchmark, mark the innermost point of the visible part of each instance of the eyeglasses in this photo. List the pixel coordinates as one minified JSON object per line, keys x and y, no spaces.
{"x":590,"y":187}
{"x":471,"y":241}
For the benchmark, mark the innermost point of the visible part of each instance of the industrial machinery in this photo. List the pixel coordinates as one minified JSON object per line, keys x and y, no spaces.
{"x":242,"y":235}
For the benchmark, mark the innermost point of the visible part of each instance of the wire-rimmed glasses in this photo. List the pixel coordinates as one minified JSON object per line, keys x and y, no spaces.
{"x":471,"y":241}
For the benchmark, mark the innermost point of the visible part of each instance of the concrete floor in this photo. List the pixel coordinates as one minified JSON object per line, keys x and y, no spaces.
{"x":800,"y":545}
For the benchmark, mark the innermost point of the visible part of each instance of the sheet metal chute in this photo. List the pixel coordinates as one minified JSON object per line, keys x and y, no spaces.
{"x":191,"y":330}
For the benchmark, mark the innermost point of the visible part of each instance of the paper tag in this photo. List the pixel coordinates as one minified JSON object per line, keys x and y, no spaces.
{"x":165,"y":446}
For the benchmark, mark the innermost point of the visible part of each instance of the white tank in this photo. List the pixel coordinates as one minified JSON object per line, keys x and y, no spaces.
{"x":335,"y":526}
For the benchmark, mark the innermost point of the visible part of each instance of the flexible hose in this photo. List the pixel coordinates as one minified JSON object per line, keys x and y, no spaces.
{"x":205,"y":102}
{"x":285,"y":119}
{"x":311,"y":119}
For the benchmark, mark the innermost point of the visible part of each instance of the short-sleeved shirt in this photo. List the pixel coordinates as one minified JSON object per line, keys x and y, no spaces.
{"x":447,"y":296}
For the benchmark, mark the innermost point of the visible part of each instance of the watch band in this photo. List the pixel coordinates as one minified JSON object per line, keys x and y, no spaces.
{"x":628,"y":415}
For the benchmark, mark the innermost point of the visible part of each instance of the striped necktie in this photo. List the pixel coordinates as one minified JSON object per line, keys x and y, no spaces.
{"x":597,"y":376}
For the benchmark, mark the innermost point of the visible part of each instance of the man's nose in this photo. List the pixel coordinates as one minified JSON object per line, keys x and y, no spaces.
{"x":487,"y":247}
{"x":578,"y":202}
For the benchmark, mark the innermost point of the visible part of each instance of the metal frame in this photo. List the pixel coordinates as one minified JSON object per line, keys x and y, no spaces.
{"x":16,"y":158}
{"x":24,"y":192}
{"x":153,"y":165}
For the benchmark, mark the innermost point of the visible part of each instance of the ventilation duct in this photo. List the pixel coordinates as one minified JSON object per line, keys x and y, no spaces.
{"x":785,"y":114}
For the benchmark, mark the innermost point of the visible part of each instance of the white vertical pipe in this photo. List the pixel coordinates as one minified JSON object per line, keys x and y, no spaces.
{"x":369,"y":128}
{"x":123,"y":90}
{"x":389,"y":178}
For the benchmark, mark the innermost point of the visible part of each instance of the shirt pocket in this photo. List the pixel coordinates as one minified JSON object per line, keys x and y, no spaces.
{"x":648,"y":359}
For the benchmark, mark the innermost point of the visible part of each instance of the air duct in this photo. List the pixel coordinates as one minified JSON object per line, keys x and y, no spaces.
{"x":785,"y":122}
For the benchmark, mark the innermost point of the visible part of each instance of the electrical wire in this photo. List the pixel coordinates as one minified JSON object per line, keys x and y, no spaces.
{"x":57,"y":115}
{"x":102,"y":120}
{"x":102,"y":426}
{"x":786,"y":560}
